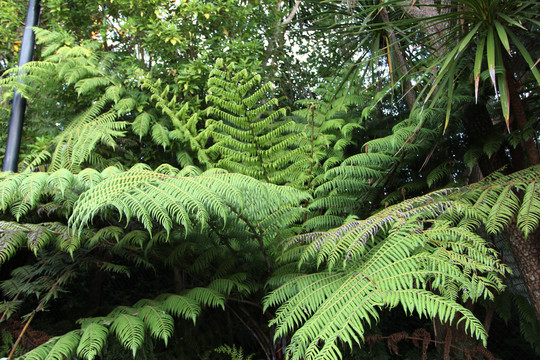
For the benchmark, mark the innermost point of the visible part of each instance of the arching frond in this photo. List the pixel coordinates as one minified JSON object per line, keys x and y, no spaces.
{"x":64,"y":347}
{"x":415,"y":254}
{"x":159,"y":323}
{"x":93,"y":338}
{"x":130,"y":331}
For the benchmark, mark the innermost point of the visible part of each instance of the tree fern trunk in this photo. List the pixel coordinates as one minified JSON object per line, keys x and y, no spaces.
{"x":527,"y":255}
{"x":520,"y":116}
{"x":526,"y":251}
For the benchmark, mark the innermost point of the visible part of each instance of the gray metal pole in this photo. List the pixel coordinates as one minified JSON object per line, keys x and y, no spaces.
{"x":19,"y":103}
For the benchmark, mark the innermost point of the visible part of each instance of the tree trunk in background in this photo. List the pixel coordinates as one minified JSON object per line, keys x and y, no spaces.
{"x":437,"y":30}
{"x":526,"y":251}
{"x":409,"y":94}
{"x":518,"y":114}
{"x":527,"y":256}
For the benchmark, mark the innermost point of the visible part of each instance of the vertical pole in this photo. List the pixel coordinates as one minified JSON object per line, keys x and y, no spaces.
{"x":19,"y":103}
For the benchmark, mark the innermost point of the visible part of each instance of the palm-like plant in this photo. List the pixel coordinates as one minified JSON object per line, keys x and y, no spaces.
{"x":485,"y":28}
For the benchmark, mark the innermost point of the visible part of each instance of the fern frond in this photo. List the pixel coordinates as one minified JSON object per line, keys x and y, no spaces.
{"x":529,"y":213}
{"x":207,"y":297}
{"x":415,"y":254}
{"x":93,"y":338}
{"x":35,"y":236}
{"x":502,"y":211}
{"x":41,"y":351}
{"x":233,"y":352}
{"x":10,"y":241}
{"x":129,"y":330}
{"x":226,"y":285}
{"x":64,"y":347}
{"x":150,"y":195}
{"x":179,"y":305}
{"x":248,"y":133}
{"x":141,"y":124}
{"x":159,"y":323}
{"x":160,"y":135}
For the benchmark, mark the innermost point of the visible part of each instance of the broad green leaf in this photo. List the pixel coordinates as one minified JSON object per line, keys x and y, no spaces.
{"x":510,"y":20}
{"x":449,"y":58}
{"x":450,"y":94}
{"x":491,"y":56}
{"x":502,"y":36}
{"x":505,"y":99}
{"x":523,"y":51}
{"x":504,"y":95}
{"x":478,"y":65}
{"x":467,"y":39}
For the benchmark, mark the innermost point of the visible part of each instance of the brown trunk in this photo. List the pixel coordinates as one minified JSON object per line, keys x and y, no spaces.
{"x":452,"y":339}
{"x":520,"y":116}
{"x":436,"y":30}
{"x":526,"y":251}
{"x":527,"y":255}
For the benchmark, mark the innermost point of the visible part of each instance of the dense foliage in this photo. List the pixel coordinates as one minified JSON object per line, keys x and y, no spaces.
{"x":270,"y":179}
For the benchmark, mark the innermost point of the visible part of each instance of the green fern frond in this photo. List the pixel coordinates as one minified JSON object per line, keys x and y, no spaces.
{"x":233,"y":352}
{"x":529,"y":213}
{"x":93,"y":338}
{"x":207,"y":297}
{"x":10,"y":240}
{"x":160,"y":135}
{"x":84,"y":86}
{"x":61,"y":179}
{"x":41,"y":351}
{"x":129,"y":330}
{"x":159,"y":323}
{"x":503,"y":210}
{"x":179,"y":305}
{"x":150,"y":195}
{"x":226,"y":285}
{"x":34,"y":236}
{"x":141,"y":124}
{"x":248,"y":133}
{"x":64,"y":347}
{"x":31,"y":188}
{"x":413,"y":254}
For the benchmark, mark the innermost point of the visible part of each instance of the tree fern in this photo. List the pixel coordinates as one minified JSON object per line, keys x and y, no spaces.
{"x":90,"y":74}
{"x":415,"y":254}
{"x":164,"y":196}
